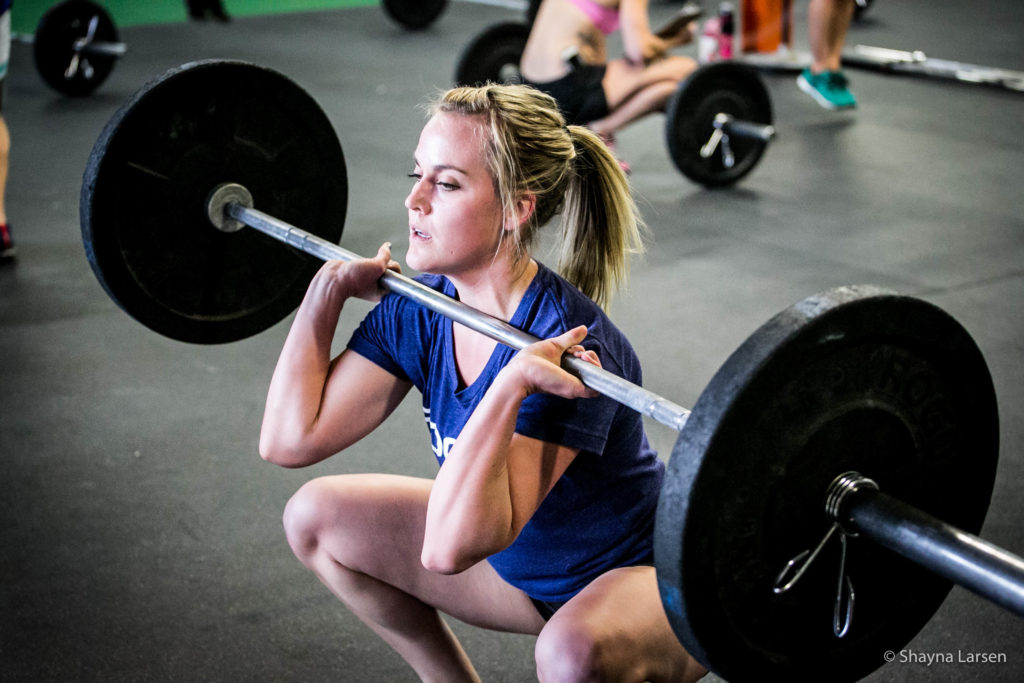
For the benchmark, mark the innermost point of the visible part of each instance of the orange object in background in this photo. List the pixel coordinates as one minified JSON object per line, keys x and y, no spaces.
{"x":767,"y":25}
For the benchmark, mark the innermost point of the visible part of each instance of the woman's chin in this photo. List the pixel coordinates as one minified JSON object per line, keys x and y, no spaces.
{"x":417,"y":261}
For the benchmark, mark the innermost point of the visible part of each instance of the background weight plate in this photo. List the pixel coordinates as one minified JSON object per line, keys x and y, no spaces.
{"x":493,"y":55}
{"x":414,"y":14}
{"x":720,"y":87}
{"x":53,"y":47}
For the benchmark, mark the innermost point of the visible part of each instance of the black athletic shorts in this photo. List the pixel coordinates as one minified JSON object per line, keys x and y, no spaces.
{"x":547,"y":608}
{"x":579,"y":93}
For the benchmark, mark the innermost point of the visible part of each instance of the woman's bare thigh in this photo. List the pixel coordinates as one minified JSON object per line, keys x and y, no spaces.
{"x":621,"y":613}
{"x":374,"y":523}
{"x":623,"y":79}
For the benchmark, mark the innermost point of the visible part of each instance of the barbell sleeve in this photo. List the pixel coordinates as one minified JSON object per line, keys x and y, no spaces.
{"x":643,"y":401}
{"x":744,"y":129}
{"x":941,"y":548}
{"x":104,"y":48}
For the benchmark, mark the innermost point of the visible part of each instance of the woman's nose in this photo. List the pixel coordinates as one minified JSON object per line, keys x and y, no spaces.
{"x":417,"y":200}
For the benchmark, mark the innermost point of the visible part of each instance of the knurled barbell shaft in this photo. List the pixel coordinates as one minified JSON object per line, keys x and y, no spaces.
{"x":643,"y":401}
{"x":963,"y":558}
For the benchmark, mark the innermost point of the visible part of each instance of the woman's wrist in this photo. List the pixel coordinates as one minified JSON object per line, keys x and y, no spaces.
{"x":511,"y":382}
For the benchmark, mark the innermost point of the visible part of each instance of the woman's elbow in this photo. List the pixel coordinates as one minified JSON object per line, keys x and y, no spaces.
{"x":445,"y":562}
{"x":283,"y":453}
{"x":453,"y":556}
{"x":278,"y":456}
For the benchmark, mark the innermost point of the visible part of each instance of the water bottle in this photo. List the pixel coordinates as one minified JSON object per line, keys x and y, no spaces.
{"x":727,"y":26}
{"x":716,"y":38}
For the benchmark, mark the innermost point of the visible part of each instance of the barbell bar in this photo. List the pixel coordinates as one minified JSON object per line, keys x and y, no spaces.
{"x":853,"y":379}
{"x":234,"y":201}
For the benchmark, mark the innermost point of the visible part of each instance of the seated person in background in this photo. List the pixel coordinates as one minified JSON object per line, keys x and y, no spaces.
{"x":604,"y":94}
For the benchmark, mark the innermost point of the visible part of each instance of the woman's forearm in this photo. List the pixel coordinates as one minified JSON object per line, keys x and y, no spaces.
{"x":297,"y":387}
{"x":493,"y":480}
{"x":636,"y":28}
{"x":293,"y":435}
{"x":471,"y":510}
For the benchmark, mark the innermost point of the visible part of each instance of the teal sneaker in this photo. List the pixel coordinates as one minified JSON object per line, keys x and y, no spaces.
{"x":829,"y":89}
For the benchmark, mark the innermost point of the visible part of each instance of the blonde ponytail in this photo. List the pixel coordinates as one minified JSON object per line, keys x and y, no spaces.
{"x":567,"y":169}
{"x":601,"y":227}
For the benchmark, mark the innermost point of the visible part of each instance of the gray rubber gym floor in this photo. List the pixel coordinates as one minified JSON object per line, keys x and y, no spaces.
{"x":140,"y":533}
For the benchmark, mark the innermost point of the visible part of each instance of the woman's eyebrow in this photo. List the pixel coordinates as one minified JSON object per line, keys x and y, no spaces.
{"x":441,"y":167}
{"x":448,"y":167}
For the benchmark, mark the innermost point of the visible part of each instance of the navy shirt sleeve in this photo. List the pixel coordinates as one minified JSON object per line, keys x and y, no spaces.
{"x":400,"y":336}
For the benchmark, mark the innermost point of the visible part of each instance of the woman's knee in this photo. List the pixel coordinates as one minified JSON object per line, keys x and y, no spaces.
{"x":568,"y":652}
{"x":683,"y":67}
{"x":305,"y":516}
{"x":346,"y":516}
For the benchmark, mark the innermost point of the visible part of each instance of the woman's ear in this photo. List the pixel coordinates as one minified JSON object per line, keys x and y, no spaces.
{"x":524,"y":207}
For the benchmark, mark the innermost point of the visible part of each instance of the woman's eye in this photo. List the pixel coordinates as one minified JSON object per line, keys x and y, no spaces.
{"x":446,"y":186}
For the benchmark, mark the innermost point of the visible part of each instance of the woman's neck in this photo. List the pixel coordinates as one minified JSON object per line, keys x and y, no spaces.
{"x":498,"y":289}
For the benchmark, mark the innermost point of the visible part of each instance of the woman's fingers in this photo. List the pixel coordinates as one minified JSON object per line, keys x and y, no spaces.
{"x":584,"y":354}
{"x":540,"y":365}
{"x":360,"y":277}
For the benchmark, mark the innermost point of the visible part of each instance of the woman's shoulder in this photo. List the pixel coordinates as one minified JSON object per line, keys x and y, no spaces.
{"x":561,"y":305}
{"x":565,"y":293}
{"x":399,"y":316}
{"x":554,"y":290}
{"x":604,"y":336}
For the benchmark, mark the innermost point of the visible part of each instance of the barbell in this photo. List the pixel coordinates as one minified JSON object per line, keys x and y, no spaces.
{"x":857,"y":413}
{"x":75,"y":47}
{"x":718,"y":122}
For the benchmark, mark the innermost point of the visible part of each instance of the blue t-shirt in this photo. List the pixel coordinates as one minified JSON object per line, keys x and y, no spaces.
{"x":600,"y":514}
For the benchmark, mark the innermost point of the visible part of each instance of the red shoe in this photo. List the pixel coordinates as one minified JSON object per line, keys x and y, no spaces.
{"x":7,"y":249}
